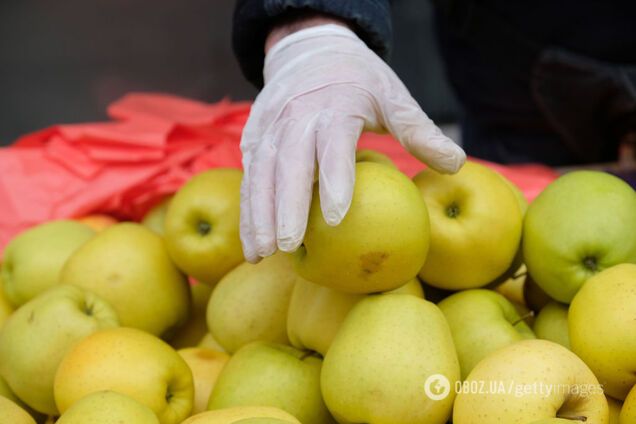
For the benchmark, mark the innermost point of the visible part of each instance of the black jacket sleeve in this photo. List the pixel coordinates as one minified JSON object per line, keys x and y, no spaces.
{"x":253,"y":18}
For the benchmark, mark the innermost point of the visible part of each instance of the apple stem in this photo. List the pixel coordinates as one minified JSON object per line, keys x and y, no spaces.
{"x":573,"y":418}
{"x":523,"y":318}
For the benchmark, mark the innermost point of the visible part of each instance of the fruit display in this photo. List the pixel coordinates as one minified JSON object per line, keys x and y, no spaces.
{"x":441,"y":299}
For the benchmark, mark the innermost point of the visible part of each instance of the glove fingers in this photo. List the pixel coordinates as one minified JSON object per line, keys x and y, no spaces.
{"x":247,"y":238}
{"x":336,"y":150}
{"x":294,"y":180}
{"x":420,"y":136}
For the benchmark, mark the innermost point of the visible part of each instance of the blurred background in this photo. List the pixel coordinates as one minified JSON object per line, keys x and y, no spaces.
{"x":64,"y":62}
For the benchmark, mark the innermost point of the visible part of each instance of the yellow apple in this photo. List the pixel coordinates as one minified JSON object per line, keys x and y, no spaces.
{"x":202,"y":225}
{"x":475,"y":226}
{"x":380,"y":244}
{"x":206,"y":365}
{"x":250,"y":303}
{"x":131,"y":362}
{"x":155,"y":218}
{"x":316,"y":312}
{"x":628,"y":412}
{"x":11,"y":413}
{"x":108,"y":407}
{"x":529,"y":381}
{"x":34,"y":259}
{"x":241,"y":414}
{"x":127,"y":264}
{"x":196,"y":327}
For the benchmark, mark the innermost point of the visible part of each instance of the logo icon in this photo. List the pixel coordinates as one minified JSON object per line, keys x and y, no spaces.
{"x":437,"y":387}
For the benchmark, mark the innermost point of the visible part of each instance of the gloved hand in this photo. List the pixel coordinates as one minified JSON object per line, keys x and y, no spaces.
{"x":323,"y":86}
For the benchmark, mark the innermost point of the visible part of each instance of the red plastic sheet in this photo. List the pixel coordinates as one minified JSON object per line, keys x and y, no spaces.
{"x":153,"y":145}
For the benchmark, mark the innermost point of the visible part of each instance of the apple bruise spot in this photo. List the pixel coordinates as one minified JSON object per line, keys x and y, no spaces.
{"x":372,"y":262}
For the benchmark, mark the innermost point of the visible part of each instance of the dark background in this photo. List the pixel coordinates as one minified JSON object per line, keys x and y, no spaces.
{"x":64,"y":61}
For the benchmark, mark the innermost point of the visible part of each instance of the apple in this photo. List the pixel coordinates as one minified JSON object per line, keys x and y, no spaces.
{"x":528,"y":381}
{"x":581,"y":224}
{"x":108,"y":407}
{"x":316,"y":312}
{"x":36,"y":337}
{"x":208,"y":341}
{"x":242,"y":415}
{"x":97,"y":222}
{"x":628,"y":412}
{"x":272,"y":374}
{"x":11,"y":413}
{"x":552,"y":324}
{"x":476,"y":222}
{"x":202,"y":225}
{"x":481,"y":322}
{"x":368,"y":155}
{"x":155,"y":218}
{"x":380,"y":244}
{"x":128,"y":265}
{"x":250,"y":303}
{"x":34,"y":258}
{"x":614,"y":410}
{"x":131,"y":362}
{"x":601,"y":323}
{"x":196,"y":327}
{"x":205,"y":364}
{"x":389,"y":349}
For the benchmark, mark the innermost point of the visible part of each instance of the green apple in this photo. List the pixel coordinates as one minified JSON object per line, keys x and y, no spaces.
{"x":196,"y":327}
{"x":481,"y":322}
{"x":34,"y":259}
{"x":614,"y":410}
{"x":581,"y":224}
{"x":316,"y":312}
{"x":131,"y":362}
{"x":271,"y":374}
{"x":528,"y":381}
{"x":11,"y":413}
{"x":127,"y":264}
{"x":389,"y":349}
{"x":250,"y":303}
{"x":240,"y":414}
{"x":202,"y":225}
{"x":476,"y":222}
{"x":552,"y":324}
{"x":36,"y":337}
{"x":380,"y":244}
{"x":108,"y":407}
{"x":206,"y":365}
{"x":208,"y":341}
{"x":368,"y":155}
{"x":628,"y":412}
{"x":155,"y":218}
{"x":601,"y":323}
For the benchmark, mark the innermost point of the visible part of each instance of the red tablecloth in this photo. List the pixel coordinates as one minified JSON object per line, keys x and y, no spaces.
{"x":154,"y":143}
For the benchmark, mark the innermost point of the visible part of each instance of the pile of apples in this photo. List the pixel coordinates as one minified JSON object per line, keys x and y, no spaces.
{"x":445,"y":298}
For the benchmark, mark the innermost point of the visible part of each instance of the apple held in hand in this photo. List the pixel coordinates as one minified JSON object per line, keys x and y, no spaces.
{"x":552,"y":324}
{"x":476,"y":221}
{"x":108,"y":407}
{"x":601,"y":322}
{"x":128,"y":265}
{"x":202,"y":225}
{"x":206,"y":365}
{"x":271,"y":374}
{"x":38,"y":335}
{"x":243,"y":415}
{"x":481,"y":322}
{"x":378,"y":365}
{"x":34,"y":259}
{"x":529,"y":381}
{"x":250,"y":303}
{"x":131,"y":362}
{"x":580,"y":224}
{"x":380,"y":244}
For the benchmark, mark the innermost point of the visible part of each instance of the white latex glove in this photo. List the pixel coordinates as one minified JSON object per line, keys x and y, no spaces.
{"x":323,"y":86}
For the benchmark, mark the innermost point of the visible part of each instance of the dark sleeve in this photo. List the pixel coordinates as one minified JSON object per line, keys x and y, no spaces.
{"x":370,"y":19}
